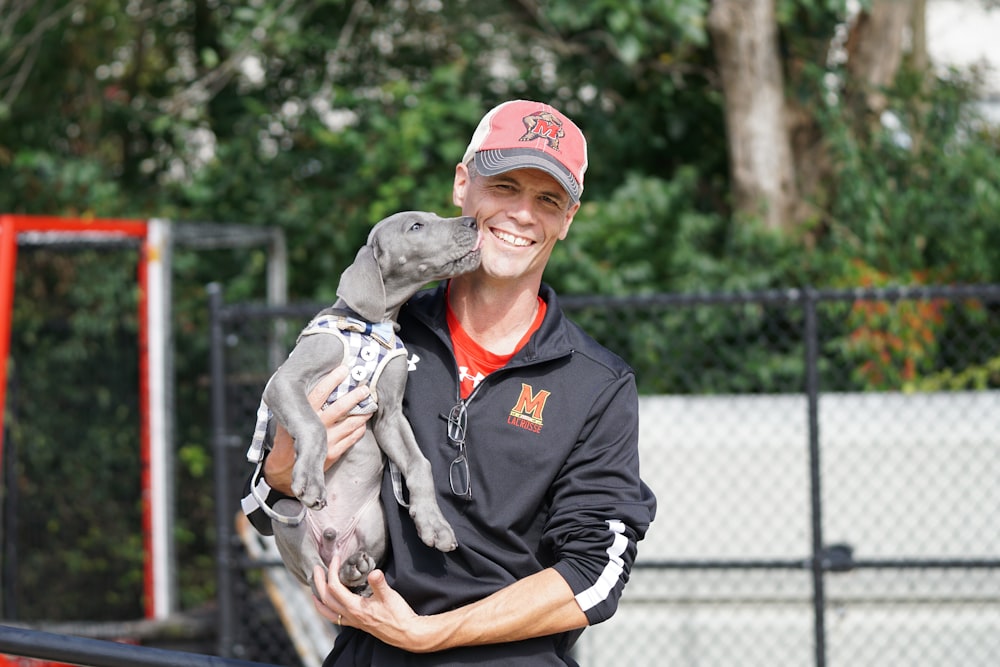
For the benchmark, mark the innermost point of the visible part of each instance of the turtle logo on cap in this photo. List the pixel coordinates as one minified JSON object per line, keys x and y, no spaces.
{"x":543,"y":125}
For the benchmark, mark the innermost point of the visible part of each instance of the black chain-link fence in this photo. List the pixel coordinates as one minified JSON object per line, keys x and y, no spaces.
{"x":826,"y":465}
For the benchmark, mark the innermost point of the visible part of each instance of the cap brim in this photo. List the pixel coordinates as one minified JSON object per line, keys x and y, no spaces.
{"x":500,"y":161}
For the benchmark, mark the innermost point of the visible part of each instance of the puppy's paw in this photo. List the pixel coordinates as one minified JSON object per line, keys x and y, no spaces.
{"x":434,"y":529}
{"x":354,"y":573}
{"x":309,"y":489}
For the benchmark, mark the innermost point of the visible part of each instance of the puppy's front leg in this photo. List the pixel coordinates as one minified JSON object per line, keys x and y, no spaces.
{"x":286,"y":394}
{"x":395,"y":437}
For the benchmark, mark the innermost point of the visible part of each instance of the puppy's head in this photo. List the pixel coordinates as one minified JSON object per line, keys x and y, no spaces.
{"x":405,"y":252}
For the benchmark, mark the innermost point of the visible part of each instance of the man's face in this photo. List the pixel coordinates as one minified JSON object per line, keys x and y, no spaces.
{"x":521,"y":215}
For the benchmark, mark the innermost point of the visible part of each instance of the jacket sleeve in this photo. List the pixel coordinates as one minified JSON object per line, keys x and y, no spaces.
{"x":255,"y":493}
{"x":601,"y":507}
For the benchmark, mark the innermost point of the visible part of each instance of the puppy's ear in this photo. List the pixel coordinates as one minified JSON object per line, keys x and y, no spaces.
{"x":361,"y":286}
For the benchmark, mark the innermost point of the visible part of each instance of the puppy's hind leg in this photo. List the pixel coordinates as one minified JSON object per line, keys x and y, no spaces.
{"x":297,"y":543}
{"x":370,"y":535}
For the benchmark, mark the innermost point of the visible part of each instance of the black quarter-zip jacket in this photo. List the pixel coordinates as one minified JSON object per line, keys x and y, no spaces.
{"x":552,"y":444}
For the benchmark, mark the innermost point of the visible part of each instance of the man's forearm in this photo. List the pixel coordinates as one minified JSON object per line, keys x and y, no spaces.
{"x":279,"y":462}
{"x":541,"y":604}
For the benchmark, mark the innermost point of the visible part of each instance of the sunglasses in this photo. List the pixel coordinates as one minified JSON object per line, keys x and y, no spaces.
{"x":458,"y":473}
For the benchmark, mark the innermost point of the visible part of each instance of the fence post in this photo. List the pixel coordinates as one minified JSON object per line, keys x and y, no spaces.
{"x":223,"y":516}
{"x":812,"y":389}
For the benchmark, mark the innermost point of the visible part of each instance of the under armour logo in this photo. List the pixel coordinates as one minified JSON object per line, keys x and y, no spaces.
{"x":411,"y":362}
{"x":464,"y":375}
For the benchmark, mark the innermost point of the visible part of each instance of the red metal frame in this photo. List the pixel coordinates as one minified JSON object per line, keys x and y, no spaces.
{"x":8,"y":261}
{"x":144,"y":434}
{"x":10,"y":227}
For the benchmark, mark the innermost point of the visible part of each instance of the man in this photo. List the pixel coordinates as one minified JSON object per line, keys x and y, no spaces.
{"x":530,"y":426}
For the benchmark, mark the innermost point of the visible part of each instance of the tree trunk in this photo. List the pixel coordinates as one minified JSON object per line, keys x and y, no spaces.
{"x":875,"y":48}
{"x":745,"y":43}
{"x":919,"y":58}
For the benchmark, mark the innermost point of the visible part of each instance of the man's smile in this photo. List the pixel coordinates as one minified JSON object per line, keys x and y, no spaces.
{"x":511,"y":239}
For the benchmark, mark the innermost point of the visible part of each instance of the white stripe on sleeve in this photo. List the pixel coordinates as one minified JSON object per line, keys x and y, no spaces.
{"x":612,"y":571}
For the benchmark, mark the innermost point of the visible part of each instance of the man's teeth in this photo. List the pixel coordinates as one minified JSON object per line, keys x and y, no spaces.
{"x":511,"y":239}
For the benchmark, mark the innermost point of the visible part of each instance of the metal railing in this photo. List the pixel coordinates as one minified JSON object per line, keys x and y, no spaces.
{"x":864,"y":371}
{"x":100,"y":653}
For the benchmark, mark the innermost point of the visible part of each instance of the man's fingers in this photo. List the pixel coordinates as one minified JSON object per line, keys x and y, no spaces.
{"x":326,"y":385}
{"x":319,"y":578}
{"x":348,"y":428}
{"x":329,"y":586}
{"x":340,"y":408}
{"x":343,"y":435}
{"x":376,"y":579}
{"x":323,"y":597}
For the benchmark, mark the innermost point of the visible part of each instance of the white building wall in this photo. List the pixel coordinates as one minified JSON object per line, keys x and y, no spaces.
{"x":966,"y":33}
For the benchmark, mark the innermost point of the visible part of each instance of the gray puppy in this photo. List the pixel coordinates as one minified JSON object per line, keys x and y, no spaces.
{"x":345,"y":520}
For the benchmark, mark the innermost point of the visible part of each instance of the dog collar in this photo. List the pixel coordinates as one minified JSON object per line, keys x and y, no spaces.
{"x":347,"y":320}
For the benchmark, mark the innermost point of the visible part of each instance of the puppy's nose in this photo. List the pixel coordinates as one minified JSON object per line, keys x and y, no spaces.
{"x":468,"y":221}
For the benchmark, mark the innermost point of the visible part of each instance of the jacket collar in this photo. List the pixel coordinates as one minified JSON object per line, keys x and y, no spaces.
{"x":428,"y":306}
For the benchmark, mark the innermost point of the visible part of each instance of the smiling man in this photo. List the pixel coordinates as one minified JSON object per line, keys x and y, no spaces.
{"x":531,"y":428}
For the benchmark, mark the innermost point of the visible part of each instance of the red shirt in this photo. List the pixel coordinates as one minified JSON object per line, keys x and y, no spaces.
{"x":474,"y":361}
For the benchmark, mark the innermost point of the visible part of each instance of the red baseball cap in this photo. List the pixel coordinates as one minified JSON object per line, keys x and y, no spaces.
{"x":521,"y":134}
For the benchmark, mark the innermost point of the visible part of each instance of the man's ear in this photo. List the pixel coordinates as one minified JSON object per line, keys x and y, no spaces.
{"x":569,"y":220}
{"x":460,"y":185}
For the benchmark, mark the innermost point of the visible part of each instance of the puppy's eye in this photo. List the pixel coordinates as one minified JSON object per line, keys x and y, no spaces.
{"x":416,"y":226}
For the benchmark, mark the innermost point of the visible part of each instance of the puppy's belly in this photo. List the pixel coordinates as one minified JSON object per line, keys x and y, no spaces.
{"x":352,"y":519}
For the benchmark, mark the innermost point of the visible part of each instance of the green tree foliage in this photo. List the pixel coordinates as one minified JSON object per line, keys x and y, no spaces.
{"x":921,"y":193}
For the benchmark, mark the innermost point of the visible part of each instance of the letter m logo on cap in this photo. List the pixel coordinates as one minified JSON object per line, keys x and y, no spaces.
{"x":543,"y":125}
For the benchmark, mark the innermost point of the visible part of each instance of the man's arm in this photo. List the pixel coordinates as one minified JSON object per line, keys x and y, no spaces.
{"x":538,"y":605}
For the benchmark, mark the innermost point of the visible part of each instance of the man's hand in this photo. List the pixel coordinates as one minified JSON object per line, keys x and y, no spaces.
{"x":342,"y":431}
{"x":385,"y":614}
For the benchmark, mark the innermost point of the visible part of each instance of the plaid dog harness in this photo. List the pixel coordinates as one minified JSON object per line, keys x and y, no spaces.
{"x":371,"y":346}
{"x":368,"y":348}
